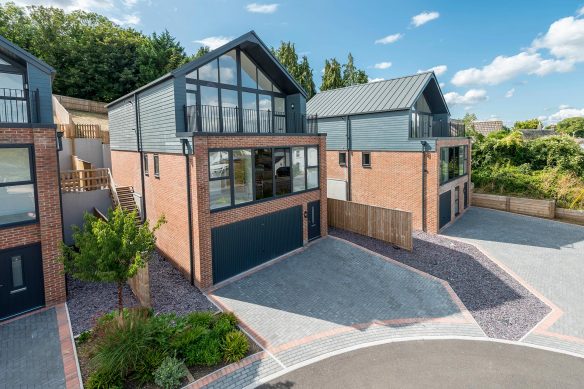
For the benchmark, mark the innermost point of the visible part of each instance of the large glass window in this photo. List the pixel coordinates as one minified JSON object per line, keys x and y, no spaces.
{"x":229,"y":104}
{"x":17,"y":191}
{"x":453,"y":162}
{"x":264,"y":173}
{"x":312,"y":168}
{"x":209,"y":72}
{"x":249,"y":77}
{"x":282,"y":162}
{"x":220,"y":182}
{"x":209,"y":109}
{"x":298,"y":169}
{"x":228,"y":68}
{"x":279,"y":114}
{"x":264,"y":82}
{"x":250,"y":106}
{"x":243,"y":175}
{"x":265,"y":112}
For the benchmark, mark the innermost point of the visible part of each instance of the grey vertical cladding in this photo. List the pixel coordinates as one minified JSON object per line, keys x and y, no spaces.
{"x":41,"y":80}
{"x":122,"y":125}
{"x":336,"y":132}
{"x":384,"y":131}
{"x":158,"y":120}
{"x":180,"y":101}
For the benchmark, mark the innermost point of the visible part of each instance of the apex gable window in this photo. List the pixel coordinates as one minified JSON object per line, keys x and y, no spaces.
{"x":156,"y":166}
{"x":17,"y":185}
{"x":146,"y":171}
{"x":366,"y":159}
{"x":342,"y":158}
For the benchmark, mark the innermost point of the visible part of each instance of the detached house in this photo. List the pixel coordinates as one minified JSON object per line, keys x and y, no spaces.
{"x":30,"y":208}
{"x":392,"y":144}
{"x":222,"y":146}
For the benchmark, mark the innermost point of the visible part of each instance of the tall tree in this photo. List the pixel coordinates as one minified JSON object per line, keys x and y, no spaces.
{"x":331,"y":78}
{"x":202,"y":51}
{"x":468,"y":119}
{"x":352,"y":75}
{"x":305,"y":77}
{"x":301,"y":71}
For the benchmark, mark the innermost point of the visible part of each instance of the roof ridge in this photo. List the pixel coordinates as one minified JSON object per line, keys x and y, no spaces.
{"x":374,"y":82}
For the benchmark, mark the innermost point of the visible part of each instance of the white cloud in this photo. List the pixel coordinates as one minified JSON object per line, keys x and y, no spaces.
{"x":424,"y":18}
{"x":471,"y":97}
{"x":262,"y":8}
{"x":580,"y":12}
{"x":510,"y":93}
{"x":129,"y":3}
{"x":382,"y":65}
{"x":564,"y":106}
{"x":564,"y":39}
{"x":438,"y":70}
{"x":71,"y":5}
{"x":442,"y":85}
{"x":389,"y":39}
{"x":127,"y":20}
{"x":376,"y":79}
{"x":564,"y":114}
{"x":214,"y":42}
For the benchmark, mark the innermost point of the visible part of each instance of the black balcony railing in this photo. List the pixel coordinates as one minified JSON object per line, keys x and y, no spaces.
{"x":19,"y":106}
{"x":427,"y":126}
{"x":215,"y":119}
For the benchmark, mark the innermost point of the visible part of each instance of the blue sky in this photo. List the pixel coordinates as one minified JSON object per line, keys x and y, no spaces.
{"x":512,"y":59}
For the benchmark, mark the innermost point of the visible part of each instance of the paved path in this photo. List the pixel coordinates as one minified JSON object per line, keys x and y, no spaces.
{"x":547,"y":256}
{"x":439,"y":363}
{"x":36,"y":351}
{"x":330,"y":296}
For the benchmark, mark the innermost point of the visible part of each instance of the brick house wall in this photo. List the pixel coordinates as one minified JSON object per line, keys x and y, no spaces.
{"x":47,"y":231}
{"x":168,"y":195}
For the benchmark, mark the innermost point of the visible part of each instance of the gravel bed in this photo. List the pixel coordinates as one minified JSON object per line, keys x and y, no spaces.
{"x":501,"y":305}
{"x":169,"y":290}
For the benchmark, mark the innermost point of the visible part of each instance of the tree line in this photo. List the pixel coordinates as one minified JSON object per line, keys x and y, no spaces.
{"x":99,"y":60}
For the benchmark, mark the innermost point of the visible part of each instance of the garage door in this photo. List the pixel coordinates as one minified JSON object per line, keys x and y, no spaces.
{"x":445,"y":208}
{"x":240,"y":246}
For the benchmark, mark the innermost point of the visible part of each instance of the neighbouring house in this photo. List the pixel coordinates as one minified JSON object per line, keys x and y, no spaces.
{"x":222,"y":146}
{"x":535,"y":133}
{"x":485,"y":127}
{"x":392,"y":144}
{"x":30,"y":209}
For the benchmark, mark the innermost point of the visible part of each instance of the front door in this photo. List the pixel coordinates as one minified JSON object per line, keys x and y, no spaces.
{"x":313,"y":216}
{"x":21,"y":280}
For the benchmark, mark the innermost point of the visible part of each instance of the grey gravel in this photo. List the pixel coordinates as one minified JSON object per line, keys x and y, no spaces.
{"x":169,"y":290}
{"x":501,"y":305}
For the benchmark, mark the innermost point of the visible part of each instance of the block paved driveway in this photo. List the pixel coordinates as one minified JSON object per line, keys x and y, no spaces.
{"x":333,"y":295}
{"x":547,"y":256}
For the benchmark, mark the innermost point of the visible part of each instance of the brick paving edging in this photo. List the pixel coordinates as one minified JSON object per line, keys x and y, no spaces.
{"x":68,"y":350}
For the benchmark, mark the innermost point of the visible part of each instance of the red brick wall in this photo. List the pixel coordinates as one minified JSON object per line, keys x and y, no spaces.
{"x":48,"y":230}
{"x":126,"y":169}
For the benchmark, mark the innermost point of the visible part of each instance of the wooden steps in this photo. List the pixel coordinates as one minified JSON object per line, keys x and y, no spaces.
{"x":125,"y":195}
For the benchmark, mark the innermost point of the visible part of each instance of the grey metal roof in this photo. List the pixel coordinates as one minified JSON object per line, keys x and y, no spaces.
{"x":380,"y":96}
{"x":19,"y":52}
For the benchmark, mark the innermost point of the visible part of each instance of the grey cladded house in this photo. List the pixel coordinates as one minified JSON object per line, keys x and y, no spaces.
{"x":222,"y":146}
{"x":30,"y":209}
{"x":392,"y":144}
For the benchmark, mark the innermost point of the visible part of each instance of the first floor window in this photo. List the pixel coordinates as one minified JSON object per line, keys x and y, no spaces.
{"x":453,"y":162}
{"x":243,"y":175}
{"x":17,"y":188}
{"x":298,"y":169}
{"x":156,"y":166}
{"x":312,"y":168}
{"x":220,"y":181}
{"x":282,"y":162}
{"x":343,"y":158}
{"x":264,"y":173}
{"x":146,"y":172}
{"x":366,"y":159}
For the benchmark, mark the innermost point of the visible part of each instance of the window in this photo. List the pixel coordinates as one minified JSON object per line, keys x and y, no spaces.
{"x":264,"y":82}
{"x":17,"y":279}
{"x":17,"y":188}
{"x":228,"y":68}
{"x":156,"y":166}
{"x":366,"y":159}
{"x":264,"y":173}
{"x":244,"y":175}
{"x":298,"y":169}
{"x":343,"y":158}
{"x":453,"y":162}
{"x":457,"y":200}
{"x":279,"y":114}
{"x":209,"y":72}
{"x":146,"y":172}
{"x":219,"y":176}
{"x":250,"y":106}
{"x":249,"y":77}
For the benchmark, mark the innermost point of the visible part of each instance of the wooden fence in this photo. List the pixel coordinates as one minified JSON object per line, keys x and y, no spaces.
{"x":85,"y":180}
{"x":88,"y":131}
{"x":570,"y":215}
{"x":389,"y":225}
{"x":531,"y":207}
{"x":77,"y":104}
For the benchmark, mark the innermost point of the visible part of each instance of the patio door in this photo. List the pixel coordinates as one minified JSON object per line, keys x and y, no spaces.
{"x":21,"y":280}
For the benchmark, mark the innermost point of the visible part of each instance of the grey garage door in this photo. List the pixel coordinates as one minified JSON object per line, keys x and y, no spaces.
{"x":445,"y":208}
{"x":240,"y":246}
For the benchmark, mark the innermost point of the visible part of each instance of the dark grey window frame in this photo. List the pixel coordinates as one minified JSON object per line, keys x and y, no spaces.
{"x":459,"y":175}
{"x":274,"y":197}
{"x":33,"y":181}
{"x":344,"y":154}
{"x":146,"y":171}
{"x":457,"y":200}
{"x":15,"y":68}
{"x":368,"y":154}
{"x":156,"y":163}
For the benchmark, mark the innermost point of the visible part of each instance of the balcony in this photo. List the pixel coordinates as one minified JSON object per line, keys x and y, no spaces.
{"x":19,"y":106}
{"x":430,"y":126}
{"x":234,"y":120}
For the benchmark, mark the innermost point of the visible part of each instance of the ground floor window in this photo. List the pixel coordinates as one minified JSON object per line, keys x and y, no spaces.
{"x":453,"y":162}
{"x":366,"y":159}
{"x":17,"y":185}
{"x":343,"y":158}
{"x":238,"y":176}
{"x":156,"y":166}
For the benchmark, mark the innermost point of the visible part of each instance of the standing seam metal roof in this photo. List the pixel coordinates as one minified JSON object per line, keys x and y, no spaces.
{"x":389,"y":95}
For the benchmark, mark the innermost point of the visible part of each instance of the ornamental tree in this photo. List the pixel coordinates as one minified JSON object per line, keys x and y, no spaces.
{"x":111,"y":250}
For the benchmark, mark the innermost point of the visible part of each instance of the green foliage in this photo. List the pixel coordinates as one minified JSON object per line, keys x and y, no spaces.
{"x":200,"y":52}
{"x":331,"y":78}
{"x":170,"y":373}
{"x":110,"y":251}
{"x":468,"y":119}
{"x":527,"y":124}
{"x":95,"y":58}
{"x":352,"y":75}
{"x":235,"y":346}
{"x":83,"y":337}
{"x":571,"y":126}
{"x":301,"y":71}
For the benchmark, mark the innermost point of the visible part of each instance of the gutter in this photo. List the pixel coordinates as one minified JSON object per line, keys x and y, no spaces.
{"x":349,"y":147}
{"x":59,"y":139}
{"x":424,"y":147}
{"x":186,"y":153}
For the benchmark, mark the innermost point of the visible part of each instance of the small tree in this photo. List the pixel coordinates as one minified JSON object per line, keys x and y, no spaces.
{"x":110,"y":251}
{"x":527,"y":124}
{"x":571,"y":126}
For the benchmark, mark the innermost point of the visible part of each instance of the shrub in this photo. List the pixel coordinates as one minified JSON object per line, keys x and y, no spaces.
{"x":101,"y":380}
{"x":83,"y":337}
{"x":234,"y":346}
{"x":207,"y":351}
{"x":170,"y":373}
{"x":224,"y":323}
